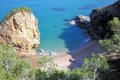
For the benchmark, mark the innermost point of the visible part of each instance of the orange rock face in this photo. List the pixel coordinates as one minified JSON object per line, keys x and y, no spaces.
{"x":21,"y":31}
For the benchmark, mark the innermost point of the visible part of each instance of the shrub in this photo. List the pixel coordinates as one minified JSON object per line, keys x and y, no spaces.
{"x":88,"y":71}
{"x":41,"y":75}
{"x":91,"y":66}
{"x":115,"y":25}
{"x":11,"y":66}
{"x":112,"y":44}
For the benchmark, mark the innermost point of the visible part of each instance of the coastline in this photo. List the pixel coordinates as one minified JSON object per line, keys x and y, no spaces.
{"x":71,"y":60}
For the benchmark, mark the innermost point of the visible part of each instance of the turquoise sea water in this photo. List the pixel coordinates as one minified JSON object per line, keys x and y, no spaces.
{"x":55,"y":35}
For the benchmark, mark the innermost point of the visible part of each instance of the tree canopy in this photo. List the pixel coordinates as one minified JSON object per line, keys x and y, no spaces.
{"x":113,"y":44}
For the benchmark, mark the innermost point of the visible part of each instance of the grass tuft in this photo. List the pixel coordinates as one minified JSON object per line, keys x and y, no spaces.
{"x":14,"y":11}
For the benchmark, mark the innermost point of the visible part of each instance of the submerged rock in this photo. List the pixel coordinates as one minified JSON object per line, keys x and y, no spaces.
{"x":82,"y":21}
{"x":21,"y":31}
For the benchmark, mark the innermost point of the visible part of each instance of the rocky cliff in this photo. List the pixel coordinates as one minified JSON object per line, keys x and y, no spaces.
{"x":100,"y":17}
{"x":21,"y":31}
{"x":98,"y":28}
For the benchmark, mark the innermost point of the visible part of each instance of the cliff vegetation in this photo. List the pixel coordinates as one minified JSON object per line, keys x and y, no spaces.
{"x":14,"y":11}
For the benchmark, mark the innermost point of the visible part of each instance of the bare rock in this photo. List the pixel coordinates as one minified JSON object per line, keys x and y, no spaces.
{"x":21,"y":31}
{"x":99,"y":18}
{"x":82,"y":21}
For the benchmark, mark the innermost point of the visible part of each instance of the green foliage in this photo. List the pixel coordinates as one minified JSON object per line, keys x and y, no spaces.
{"x":14,"y":11}
{"x":31,"y":74}
{"x":46,"y":64}
{"x":76,"y":74}
{"x":90,"y":66}
{"x":108,"y":44}
{"x":44,"y":60}
{"x":115,"y":25}
{"x":55,"y":75}
{"x":88,"y":71}
{"x":59,"y":75}
{"x":11,"y":66}
{"x":41,"y":75}
{"x":112,"y":44}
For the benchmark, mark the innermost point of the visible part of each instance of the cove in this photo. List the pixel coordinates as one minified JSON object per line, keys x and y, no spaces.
{"x":55,"y":35}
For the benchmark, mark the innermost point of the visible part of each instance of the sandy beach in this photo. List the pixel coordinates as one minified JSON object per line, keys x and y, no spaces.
{"x":74,"y":59}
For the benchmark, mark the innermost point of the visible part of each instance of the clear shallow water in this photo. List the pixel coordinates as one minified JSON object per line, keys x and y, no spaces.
{"x":55,"y":35}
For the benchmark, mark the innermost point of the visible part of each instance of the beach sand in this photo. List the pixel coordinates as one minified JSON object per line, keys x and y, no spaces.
{"x":74,"y":59}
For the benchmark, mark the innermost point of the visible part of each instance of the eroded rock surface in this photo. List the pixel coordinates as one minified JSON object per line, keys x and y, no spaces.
{"x":21,"y":31}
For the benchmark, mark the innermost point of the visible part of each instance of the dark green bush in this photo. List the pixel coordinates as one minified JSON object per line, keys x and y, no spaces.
{"x":41,"y":75}
{"x":113,"y":44}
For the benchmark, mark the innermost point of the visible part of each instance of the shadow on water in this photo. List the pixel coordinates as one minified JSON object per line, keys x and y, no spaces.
{"x":74,"y":37}
{"x":58,"y":9}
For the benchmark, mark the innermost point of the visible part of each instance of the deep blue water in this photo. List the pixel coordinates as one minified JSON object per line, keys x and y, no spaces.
{"x":55,"y":35}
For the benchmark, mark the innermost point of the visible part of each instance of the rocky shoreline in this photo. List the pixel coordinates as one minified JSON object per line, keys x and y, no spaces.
{"x":83,"y":21}
{"x":96,"y":23}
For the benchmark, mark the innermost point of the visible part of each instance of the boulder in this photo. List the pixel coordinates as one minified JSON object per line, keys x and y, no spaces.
{"x":21,"y":31}
{"x":82,"y":21}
